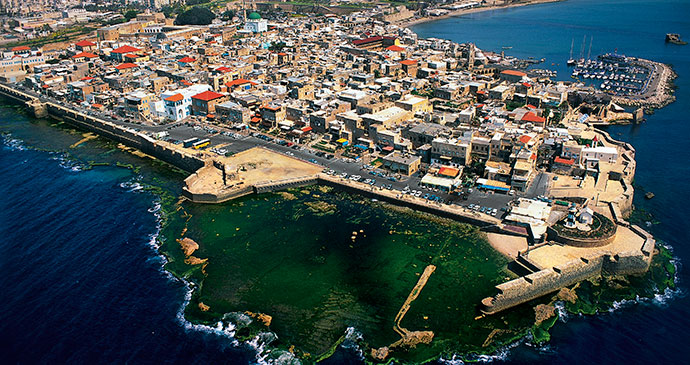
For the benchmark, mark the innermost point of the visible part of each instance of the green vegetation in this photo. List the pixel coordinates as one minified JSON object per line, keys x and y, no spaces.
{"x":130,"y":14}
{"x":600,"y":227}
{"x":195,"y":16}
{"x":61,"y":35}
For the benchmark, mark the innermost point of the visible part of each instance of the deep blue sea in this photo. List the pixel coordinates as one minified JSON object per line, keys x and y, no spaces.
{"x":82,"y":281}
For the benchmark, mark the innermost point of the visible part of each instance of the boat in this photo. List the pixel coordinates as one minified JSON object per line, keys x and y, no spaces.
{"x":649,"y":195}
{"x":674,"y":38}
{"x":571,"y":61}
{"x":507,"y":47}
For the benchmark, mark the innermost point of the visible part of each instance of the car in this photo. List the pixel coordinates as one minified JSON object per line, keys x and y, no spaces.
{"x":426,"y":196}
{"x":494,"y":212}
{"x":511,"y":192}
{"x":555,"y":178}
{"x":343,"y":175}
{"x":313,"y":161}
{"x":389,"y":187}
{"x":418,"y":194}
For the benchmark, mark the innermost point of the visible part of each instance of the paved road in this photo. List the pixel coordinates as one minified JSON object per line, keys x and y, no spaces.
{"x":237,"y":142}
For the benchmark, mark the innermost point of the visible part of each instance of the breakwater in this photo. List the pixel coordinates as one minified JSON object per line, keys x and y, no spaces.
{"x":124,"y":135}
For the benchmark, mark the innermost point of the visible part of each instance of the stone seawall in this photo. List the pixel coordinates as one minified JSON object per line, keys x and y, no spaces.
{"x":106,"y":129}
{"x":422,"y":205}
{"x":546,"y":281}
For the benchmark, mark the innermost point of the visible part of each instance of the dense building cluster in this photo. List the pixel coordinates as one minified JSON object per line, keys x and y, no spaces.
{"x":350,"y":84}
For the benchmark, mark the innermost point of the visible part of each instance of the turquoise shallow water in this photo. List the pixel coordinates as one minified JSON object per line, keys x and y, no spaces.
{"x":647,"y":332}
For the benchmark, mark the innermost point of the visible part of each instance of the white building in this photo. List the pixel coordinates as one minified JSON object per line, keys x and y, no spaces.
{"x":255,"y":24}
{"x":178,"y":103}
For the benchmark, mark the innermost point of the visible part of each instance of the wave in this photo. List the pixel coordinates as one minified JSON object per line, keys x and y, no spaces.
{"x":562,"y":312}
{"x":12,"y":144}
{"x":131,"y":186}
{"x":66,"y":162}
{"x":352,"y":340}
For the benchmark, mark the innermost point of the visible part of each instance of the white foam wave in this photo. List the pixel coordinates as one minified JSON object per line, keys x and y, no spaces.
{"x":500,"y":355}
{"x":562,"y":312}
{"x":352,"y":340}
{"x":131,"y":186}
{"x":12,"y":144}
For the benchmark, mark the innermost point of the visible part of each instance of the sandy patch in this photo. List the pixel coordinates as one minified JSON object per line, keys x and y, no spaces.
{"x":507,"y":245}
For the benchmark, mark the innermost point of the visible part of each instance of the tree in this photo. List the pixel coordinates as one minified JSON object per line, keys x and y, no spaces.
{"x":277,"y":47}
{"x":195,"y":16}
{"x":130,"y":14}
{"x":228,"y":14}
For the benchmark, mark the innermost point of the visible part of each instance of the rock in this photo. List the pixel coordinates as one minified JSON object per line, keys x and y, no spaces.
{"x":380,"y":354}
{"x":203,"y":307}
{"x":188,"y":246}
{"x":649,"y":195}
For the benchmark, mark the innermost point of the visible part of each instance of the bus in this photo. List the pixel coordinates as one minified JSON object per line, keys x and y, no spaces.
{"x":189,"y":142}
{"x":201,"y":144}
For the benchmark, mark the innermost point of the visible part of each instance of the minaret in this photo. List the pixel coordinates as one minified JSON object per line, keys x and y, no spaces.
{"x":470,"y":57}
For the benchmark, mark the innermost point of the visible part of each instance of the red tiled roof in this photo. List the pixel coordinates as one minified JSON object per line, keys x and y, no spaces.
{"x":526,"y":84}
{"x":126,"y":65}
{"x":564,"y":161}
{"x":207,"y":96}
{"x":530,"y":106}
{"x":525,"y":139}
{"x":20,"y":48}
{"x":370,"y":39}
{"x":85,"y":43}
{"x":185,"y":83}
{"x":408,"y":62}
{"x":395,"y":48}
{"x":84,"y":54}
{"x":366,"y":40}
{"x":97,"y":105}
{"x":306,"y":129}
{"x":125,"y":49}
{"x":513,"y":73}
{"x":176,"y":97}
{"x":223,"y":69}
{"x":130,"y":55}
{"x":531,"y":117}
{"x":239,"y":82}
{"x":186,"y":59}
{"x":87,"y":78}
{"x":282,"y":54}
{"x":448,"y":171}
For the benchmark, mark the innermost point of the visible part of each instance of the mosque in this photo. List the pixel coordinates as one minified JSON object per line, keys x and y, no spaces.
{"x":255,"y":23}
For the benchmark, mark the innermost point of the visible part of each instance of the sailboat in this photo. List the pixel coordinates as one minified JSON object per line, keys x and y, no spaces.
{"x":571,"y":61}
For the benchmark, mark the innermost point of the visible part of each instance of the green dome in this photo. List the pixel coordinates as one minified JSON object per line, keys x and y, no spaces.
{"x":254,"y":16}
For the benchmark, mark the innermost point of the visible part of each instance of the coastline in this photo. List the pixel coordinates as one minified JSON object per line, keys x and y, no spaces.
{"x":407,"y":24}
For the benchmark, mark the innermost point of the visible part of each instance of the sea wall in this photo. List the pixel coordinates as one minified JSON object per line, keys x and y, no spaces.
{"x":421,"y":205}
{"x":126,"y":136}
{"x":546,"y":281}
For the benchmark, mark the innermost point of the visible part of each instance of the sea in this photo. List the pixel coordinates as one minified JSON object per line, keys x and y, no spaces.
{"x":83,"y":281}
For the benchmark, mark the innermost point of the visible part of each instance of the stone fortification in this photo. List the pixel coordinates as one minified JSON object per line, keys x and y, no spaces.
{"x":106,"y":129}
{"x":549,"y":280}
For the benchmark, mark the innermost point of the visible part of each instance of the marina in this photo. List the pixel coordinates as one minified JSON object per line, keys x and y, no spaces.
{"x":615,"y":74}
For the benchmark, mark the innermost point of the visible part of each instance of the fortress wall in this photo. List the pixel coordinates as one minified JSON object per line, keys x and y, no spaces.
{"x":540,"y":283}
{"x":217,"y":198}
{"x":581,"y":242}
{"x":627,"y":263}
{"x":127,"y":137}
{"x":285,"y":184}
{"x":423,"y":207}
